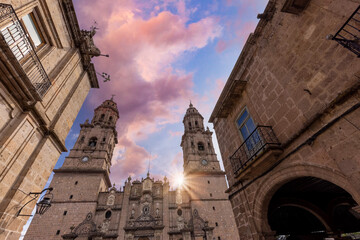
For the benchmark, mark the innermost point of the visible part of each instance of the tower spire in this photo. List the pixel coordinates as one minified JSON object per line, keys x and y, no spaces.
{"x":148,"y":172}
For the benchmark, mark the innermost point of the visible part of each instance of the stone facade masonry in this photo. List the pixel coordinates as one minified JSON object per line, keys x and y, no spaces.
{"x":33,"y":129}
{"x":85,"y":206}
{"x":290,"y":77}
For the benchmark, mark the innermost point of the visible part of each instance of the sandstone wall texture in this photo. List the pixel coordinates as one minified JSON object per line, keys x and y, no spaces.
{"x":307,"y":89}
{"x":33,"y":130}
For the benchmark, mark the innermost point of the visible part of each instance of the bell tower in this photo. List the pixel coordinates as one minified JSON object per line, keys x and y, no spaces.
{"x":83,"y":175}
{"x":198,"y":150}
{"x":95,"y":144}
{"x":204,"y":180}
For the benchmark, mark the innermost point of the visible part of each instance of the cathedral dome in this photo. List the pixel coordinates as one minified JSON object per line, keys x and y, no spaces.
{"x":110,"y":103}
{"x":192,"y":111}
{"x":106,"y":114}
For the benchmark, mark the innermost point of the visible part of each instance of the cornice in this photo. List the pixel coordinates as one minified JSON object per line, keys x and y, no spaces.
{"x":235,"y":83}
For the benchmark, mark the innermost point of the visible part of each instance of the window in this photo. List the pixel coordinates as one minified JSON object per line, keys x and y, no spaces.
{"x":208,"y":182}
{"x":219,"y":238}
{"x":179,"y":212}
{"x":247,"y":129}
{"x":213,"y":208}
{"x":201,"y":146}
{"x":65,"y":212}
{"x":57,"y":232}
{"x":82,"y":139}
{"x":108,"y":214}
{"x":102,"y":117}
{"x":32,"y":29}
{"x":15,"y":39}
{"x":76,"y":182}
{"x":110,"y":118}
{"x":196,"y":123}
{"x":210,"y":194}
{"x":216,"y":224}
{"x":92,"y":142}
{"x":104,"y":139}
{"x":71,"y":196}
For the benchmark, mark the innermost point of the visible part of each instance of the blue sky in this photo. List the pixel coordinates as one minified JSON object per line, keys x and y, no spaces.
{"x":162,"y":55}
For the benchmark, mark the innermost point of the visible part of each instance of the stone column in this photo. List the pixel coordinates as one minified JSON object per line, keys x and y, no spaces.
{"x":186,"y":235}
{"x":166,"y":213}
{"x":124,"y":209}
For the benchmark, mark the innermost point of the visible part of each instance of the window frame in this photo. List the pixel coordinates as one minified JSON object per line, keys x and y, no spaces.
{"x":38,"y":24}
{"x":37,"y":27}
{"x":252,"y":144}
{"x":243,"y":123}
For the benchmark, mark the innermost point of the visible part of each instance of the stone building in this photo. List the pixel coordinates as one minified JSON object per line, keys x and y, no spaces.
{"x":288,"y":123}
{"x":85,"y":206}
{"x":45,"y":76}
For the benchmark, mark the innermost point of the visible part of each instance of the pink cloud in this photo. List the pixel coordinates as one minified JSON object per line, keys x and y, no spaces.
{"x":175,"y":134}
{"x":239,"y":37}
{"x":149,"y":91}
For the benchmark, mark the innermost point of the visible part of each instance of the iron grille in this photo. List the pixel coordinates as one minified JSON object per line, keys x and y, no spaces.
{"x":348,"y":35}
{"x":21,"y":46}
{"x":259,"y":141}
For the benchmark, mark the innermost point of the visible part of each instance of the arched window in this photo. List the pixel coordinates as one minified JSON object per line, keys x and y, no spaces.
{"x":102,"y":117}
{"x":196,"y":123}
{"x":201,"y":146}
{"x":92,"y":142}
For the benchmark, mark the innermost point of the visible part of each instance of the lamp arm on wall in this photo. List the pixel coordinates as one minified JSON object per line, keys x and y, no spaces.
{"x":36,"y":194}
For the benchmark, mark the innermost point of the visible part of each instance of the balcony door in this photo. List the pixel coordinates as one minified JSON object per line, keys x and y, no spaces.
{"x":248,"y":132}
{"x":14,"y":36}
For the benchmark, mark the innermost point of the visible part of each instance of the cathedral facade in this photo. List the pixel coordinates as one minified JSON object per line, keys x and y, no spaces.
{"x":86,"y":206}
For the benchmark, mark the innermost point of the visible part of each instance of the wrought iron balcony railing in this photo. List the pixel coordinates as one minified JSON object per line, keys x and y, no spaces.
{"x":349,"y":34}
{"x":23,"y":49}
{"x":259,"y":141}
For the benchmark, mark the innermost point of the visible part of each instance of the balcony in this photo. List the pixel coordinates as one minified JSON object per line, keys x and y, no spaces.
{"x":262,"y":143}
{"x":348,"y":35}
{"x":19,"y":49}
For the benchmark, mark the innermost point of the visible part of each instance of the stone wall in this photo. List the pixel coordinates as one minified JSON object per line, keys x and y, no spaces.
{"x":32,"y":134}
{"x":300,"y":84}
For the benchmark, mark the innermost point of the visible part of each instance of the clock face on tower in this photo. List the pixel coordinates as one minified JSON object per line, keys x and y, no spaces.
{"x":204,"y":162}
{"x":85,"y":159}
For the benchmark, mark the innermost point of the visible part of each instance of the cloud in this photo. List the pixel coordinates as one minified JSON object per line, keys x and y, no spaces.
{"x":175,"y":134}
{"x":143,"y":47}
{"x":237,"y":30}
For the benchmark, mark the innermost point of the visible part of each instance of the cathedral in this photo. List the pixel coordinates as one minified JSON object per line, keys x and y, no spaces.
{"x":86,"y":206}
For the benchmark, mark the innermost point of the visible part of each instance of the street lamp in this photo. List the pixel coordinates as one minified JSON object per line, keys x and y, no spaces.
{"x":43,"y":205}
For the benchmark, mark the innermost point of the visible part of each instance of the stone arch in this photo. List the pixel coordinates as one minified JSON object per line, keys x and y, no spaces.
{"x":270,"y":184}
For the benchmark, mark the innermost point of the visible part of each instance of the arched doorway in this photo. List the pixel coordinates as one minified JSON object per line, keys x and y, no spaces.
{"x":311,"y":208}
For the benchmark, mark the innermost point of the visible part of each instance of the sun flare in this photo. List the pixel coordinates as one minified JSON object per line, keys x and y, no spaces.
{"x":179,"y":180}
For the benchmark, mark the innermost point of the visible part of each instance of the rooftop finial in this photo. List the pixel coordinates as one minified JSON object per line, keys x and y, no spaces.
{"x":190,"y":104}
{"x":148,"y":173}
{"x":112,"y":97}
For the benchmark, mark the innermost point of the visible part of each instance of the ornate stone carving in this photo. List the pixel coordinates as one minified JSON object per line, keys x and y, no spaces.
{"x":89,"y":48}
{"x":110,"y":200}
